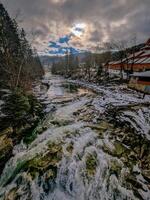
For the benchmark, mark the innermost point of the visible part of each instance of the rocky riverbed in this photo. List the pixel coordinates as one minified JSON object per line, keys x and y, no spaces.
{"x":93,"y":144}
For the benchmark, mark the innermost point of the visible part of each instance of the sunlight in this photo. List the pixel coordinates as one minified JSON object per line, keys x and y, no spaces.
{"x":78,"y":29}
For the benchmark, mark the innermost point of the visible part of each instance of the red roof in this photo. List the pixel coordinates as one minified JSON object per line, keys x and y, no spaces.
{"x":139,"y":60}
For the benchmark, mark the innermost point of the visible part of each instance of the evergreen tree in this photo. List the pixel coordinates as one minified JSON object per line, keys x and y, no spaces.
{"x":19,"y":64}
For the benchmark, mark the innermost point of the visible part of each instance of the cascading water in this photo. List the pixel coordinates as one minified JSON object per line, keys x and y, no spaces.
{"x":76,"y":158}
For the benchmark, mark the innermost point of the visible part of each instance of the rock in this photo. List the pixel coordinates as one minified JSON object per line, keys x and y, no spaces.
{"x":131,"y":179}
{"x":146,"y":175}
{"x":133,"y":156}
{"x":49,"y":160}
{"x":8,"y":131}
{"x":115,"y":167}
{"x":119,"y":148}
{"x":108,"y":147}
{"x":6,"y":147}
{"x":105,"y":125}
{"x":69,"y":148}
{"x":91,"y":164}
{"x":143,"y":149}
{"x":41,"y":129}
{"x":49,"y":182}
{"x":11,"y":195}
{"x":49,"y":174}
{"x":61,"y":122}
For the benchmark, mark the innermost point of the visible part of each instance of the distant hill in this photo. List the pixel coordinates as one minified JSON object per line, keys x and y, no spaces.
{"x":49,"y":60}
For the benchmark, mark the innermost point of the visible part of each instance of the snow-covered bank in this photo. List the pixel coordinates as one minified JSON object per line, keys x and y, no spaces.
{"x":134,"y":110}
{"x":115,"y":95}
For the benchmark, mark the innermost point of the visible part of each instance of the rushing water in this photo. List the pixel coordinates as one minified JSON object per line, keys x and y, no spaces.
{"x":70,"y":160}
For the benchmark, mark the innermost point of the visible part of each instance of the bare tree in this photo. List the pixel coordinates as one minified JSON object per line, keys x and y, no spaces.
{"x":18,"y":16}
{"x":133,"y":52}
{"x":125,"y":52}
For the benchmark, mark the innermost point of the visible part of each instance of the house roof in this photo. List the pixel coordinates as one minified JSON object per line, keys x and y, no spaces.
{"x":140,"y":57}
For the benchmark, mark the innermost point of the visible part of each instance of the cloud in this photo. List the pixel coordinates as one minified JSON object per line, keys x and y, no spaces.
{"x":51,"y":20}
{"x":53,"y":45}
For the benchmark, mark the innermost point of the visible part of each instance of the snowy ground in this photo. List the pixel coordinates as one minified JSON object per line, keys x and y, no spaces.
{"x":138,"y":114}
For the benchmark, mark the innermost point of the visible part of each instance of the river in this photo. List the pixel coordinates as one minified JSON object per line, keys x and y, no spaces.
{"x":77,"y":154}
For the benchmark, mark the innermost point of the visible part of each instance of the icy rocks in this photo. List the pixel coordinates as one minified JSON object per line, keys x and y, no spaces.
{"x":8,"y":131}
{"x":49,"y":160}
{"x":91,"y":164}
{"x":115,"y":167}
{"x":6,"y":147}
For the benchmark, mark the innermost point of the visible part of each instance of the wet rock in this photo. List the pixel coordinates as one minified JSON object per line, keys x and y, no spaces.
{"x":12,"y":194}
{"x":40,"y":129}
{"x":23,"y":187}
{"x":69,"y":148}
{"x":47,"y":161}
{"x":49,"y":181}
{"x":104,"y":125}
{"x":108,"y":147}
{"x":143,"y":150}
{"x":101,"y":128}
{"x":61,"y":122}
{"x":49,"y":174}
{"x":136,"y":186}
{"x":120,"y":149}
{"x":146,"y":175}
{"x":6,"y":147}
{"x":91,"y":164}
{"x":131,"y":179}
{"x":133,"y":157}
{"x":8,"y":131}
{"x":115,"y":167}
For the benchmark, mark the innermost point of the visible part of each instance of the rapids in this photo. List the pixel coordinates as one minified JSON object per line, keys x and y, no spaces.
{"x":78,"y":154}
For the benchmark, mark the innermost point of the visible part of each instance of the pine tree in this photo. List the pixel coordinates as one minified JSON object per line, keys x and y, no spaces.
{"x":19,"y":68}
{"x":19,"y":64}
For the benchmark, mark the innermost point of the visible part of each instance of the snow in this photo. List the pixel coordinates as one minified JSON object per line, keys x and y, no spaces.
{"x":118,"y":96}
{"x":66,"y":113}
{"x":136,"y":114}
{"x":140,"y":120}
{"x":142,"y":74}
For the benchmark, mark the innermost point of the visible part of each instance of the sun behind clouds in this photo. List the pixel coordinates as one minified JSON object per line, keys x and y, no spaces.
{"x":78,"y":29}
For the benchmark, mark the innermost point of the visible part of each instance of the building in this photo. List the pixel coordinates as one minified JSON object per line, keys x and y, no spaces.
{"x":139,"y":61}
{"x":140,"y":81}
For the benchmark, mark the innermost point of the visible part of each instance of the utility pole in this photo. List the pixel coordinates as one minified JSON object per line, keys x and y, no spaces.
{"x":68,"y":59}
{"x":67,"y":63}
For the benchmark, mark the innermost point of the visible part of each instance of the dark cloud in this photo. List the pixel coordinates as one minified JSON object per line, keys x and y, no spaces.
{"x":107,"y":19}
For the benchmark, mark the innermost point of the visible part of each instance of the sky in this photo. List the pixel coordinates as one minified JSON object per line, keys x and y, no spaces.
{"x":57,"y":26}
